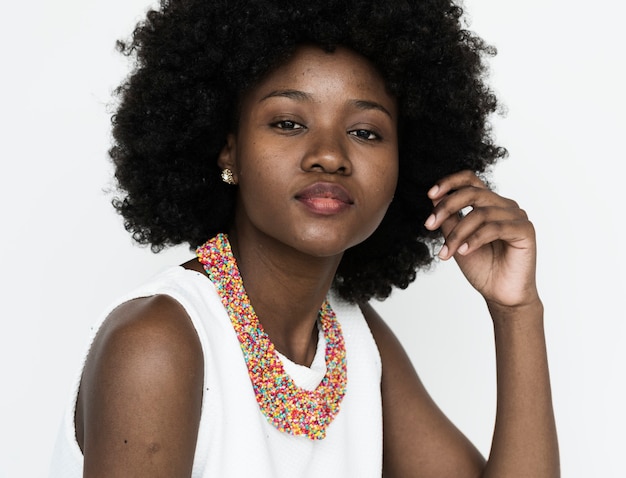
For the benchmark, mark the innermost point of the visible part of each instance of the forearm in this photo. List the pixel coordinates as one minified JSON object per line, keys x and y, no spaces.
{"x":525,"y":441}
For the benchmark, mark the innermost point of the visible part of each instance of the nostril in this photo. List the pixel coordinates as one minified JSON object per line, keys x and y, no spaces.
{"x":326,"y":155}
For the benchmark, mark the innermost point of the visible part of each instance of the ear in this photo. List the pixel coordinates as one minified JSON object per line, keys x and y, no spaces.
{"x":227,"y":158}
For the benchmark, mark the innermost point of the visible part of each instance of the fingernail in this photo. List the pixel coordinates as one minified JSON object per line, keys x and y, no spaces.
{"x":463,"y":249}
{"x":430,"y":222}
{"x":433,"y":191}
{"x":443,"y":253}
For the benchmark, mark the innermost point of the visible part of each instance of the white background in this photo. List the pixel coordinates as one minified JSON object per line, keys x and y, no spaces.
{"x":64,"y":254}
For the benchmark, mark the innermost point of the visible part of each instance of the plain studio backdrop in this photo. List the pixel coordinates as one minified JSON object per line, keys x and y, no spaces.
{"x":65,"y":254}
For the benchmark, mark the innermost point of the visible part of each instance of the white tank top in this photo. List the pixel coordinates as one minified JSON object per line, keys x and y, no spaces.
{"x":234,"y":438}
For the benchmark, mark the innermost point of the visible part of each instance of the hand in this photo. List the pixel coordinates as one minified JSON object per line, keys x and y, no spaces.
{"x":494,"y":244}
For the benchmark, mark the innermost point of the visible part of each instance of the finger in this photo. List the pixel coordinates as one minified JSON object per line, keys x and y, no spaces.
{"x":469,"y":236}
{"x":455,"y":181}
{"x":465,"y":200}
{"x":458,"y":231}
{"x":516,"y":234}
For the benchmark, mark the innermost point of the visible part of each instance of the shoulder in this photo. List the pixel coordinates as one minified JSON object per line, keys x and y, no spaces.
{"x":149,"y":338}
{"x":148,"y":329}
{"x":396,"y":363}
{"x":419,"y":440}
{"x":383,"y":335}
{"x":391,"y":350}
{"x":141,"y":389}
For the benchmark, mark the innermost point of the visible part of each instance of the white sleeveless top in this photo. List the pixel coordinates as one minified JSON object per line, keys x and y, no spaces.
{"x":234,"y":437}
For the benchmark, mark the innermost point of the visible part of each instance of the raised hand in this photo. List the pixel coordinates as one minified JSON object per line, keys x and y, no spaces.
{"x":494,"y":244}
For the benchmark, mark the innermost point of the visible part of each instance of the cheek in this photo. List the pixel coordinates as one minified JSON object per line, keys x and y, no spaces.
{"x":378,"y":196}
{"x":387,"y":179}
{"x":262,"y":187}
{"x":392,"y":178}
{"x":260,"y":160}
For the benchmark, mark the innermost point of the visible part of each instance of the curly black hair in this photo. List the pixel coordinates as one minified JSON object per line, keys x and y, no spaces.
{"x":195,"y":58}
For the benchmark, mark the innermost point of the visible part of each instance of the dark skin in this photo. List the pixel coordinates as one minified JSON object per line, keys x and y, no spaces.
{"x":326,"y":119}
{"x":133,"y":417}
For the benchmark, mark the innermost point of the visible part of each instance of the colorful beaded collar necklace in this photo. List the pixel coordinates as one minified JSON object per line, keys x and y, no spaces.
{"x":286,"y":406}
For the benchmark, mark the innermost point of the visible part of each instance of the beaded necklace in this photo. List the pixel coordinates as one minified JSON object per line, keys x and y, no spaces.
{"x":286,"y":406}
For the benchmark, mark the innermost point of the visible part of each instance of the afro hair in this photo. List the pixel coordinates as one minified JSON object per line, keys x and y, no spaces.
{"x":193,"y":60}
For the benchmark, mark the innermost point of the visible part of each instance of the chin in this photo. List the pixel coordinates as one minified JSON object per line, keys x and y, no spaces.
{"x":327,"y":244}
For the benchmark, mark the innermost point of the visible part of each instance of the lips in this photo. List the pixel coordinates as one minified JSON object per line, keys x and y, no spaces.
{"x":325,"y":198}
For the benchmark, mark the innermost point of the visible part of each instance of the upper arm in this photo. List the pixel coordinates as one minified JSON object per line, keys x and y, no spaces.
{"x":140,"y":397}
{"x":419,"y":440}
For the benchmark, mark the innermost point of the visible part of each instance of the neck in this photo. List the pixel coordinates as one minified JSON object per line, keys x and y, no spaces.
{"x":286,"y":289}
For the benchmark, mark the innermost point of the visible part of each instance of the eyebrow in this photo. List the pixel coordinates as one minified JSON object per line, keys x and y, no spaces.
{"x":370,"y":105}
{"x":291,"y":94}
{"x":298,"y":95}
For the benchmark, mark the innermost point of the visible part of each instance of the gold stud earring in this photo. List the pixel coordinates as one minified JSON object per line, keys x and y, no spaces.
{"x":227,"y":176}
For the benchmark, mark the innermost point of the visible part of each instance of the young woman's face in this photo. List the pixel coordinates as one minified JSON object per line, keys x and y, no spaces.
{"x":315,"y":155}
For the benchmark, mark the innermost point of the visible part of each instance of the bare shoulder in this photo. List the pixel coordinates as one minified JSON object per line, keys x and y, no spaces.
{"x":140,"y":396}
{"x":419,"y":440}
{"x":156,"y":321}
{"x":396,"y":363}
{"x":154,"y":334}
{"x":383,"y":335}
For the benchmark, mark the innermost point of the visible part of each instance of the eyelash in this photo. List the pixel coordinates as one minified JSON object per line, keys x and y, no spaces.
{"x":282,"y":124}
{"x":289,"y":125}
{"x":370,"y":135}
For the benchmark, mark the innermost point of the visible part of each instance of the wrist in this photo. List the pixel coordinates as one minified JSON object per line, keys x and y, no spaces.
{"x":530,"y":312}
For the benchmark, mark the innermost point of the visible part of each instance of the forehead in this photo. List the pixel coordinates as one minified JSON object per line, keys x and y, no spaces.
{"x":313,"y":69}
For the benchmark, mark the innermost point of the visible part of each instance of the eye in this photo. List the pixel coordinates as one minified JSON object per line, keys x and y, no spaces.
{"x":364,"y":134}
{"x":287,"y":125}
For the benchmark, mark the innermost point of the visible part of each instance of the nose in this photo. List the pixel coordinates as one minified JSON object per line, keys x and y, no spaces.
{"x":327,"y":152}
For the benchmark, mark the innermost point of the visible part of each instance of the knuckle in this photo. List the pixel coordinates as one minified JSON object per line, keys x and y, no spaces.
{"x":499,"y":226}
{"x":513,"y":204}
{"x":523,"y":214}
{"x":479,"y":213}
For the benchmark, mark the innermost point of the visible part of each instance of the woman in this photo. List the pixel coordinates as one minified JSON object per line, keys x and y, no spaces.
{"x":312,"y":154}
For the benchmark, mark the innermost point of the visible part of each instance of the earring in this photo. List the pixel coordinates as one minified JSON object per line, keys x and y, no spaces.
{"x":227,"y":176}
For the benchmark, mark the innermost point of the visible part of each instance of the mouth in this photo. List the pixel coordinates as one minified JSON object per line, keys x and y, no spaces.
{"x":325,"y":198}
